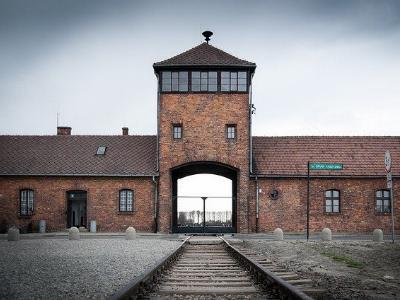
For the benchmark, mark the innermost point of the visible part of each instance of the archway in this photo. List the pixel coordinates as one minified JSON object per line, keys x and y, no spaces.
{"x":200,"y":207}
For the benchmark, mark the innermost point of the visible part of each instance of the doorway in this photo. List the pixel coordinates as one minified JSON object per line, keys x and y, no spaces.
{"x":76,"y":211}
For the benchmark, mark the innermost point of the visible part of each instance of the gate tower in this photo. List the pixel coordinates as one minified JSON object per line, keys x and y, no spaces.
{"x":204,"y":126}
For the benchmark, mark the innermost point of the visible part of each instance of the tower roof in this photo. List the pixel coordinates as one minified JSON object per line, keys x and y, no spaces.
{"x":204,"y":55}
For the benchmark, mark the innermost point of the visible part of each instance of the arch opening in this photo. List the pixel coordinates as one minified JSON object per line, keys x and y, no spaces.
{"x":204,"y":199}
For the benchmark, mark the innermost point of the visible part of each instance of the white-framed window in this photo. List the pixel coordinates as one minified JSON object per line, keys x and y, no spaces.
{"x":332,"y":201}
{"x":231,"y":131}
{"x":125,"y":200}
{"x":177,"y":131}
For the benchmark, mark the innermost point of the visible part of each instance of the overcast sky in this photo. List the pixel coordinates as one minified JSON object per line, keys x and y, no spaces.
{"x":323,"y":67}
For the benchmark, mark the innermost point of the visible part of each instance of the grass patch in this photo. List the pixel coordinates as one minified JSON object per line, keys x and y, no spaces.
{"x":344,"y":259}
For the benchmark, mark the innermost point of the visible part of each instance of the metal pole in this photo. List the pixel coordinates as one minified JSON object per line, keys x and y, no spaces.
{"x":204,"y":213}
{"x":392,"y":209}
{"x":308,"y":200}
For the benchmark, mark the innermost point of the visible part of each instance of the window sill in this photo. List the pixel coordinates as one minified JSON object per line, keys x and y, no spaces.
{"x":332,"y":213}
{"x":383,"y":213}
{"x":126,"y":212}
{"x":25,"y":216}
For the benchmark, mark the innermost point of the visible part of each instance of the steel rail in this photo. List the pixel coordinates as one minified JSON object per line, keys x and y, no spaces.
{"x":266,"y":277}
{"x":135,"y":288}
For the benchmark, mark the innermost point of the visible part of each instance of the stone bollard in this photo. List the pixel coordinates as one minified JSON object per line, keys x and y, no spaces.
{"x":74,"y":234}
{"x":377,"y":235}
{"x":93,"y":226}
{"x":278,"y":234}
{"x":130,"y":233}
{"x":326,"y":235}
{"x":13,"y":234}
{"x":42,"y":226}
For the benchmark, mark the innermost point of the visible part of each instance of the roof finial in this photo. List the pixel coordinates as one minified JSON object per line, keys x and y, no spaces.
{"x":207,"y":34}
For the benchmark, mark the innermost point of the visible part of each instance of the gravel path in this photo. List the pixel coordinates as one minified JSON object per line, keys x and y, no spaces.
{"x":346,"y":269}
{"x":89,"y":268}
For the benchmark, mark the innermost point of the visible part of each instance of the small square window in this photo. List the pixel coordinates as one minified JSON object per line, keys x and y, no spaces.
{"x":177,"y":131}
{"x":231,"y":131}
{"x":101,"y":150}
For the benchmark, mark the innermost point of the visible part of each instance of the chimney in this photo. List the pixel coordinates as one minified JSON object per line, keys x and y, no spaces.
{"x":125,"y":131}
{"x":64,"y":130}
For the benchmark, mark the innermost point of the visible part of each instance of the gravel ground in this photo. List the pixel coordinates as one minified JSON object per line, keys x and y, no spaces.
{"x":63,"y":269}
{"x":346,"y":269}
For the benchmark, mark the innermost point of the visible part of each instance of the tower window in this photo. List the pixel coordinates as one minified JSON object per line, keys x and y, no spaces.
{"x":174,"y":81}
{"x":233,"y":81}
{"x":332,"y":201}
{"x":177,"y":131}
{"x":231,"y":131}
{"x":204,"y":81}
{"x":26,"y":202}
{"x":383,"y":201}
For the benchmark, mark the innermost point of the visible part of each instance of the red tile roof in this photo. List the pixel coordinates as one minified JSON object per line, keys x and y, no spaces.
{"x":137,"y":155}
{"x":76,"y":155}
{"x":360,"y":156}
{"x":204,"y":55}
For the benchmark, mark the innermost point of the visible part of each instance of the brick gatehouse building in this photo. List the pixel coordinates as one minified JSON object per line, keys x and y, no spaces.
{"x":204,"y":112}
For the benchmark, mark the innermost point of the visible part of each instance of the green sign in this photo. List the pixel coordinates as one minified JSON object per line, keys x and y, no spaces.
{"x":326,"y":166}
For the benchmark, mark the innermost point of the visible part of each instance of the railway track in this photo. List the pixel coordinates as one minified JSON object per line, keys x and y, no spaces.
{"x":212,"y":268}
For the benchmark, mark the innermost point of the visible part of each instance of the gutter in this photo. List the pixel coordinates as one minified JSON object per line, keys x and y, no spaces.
{"x":84,"y":175}
{"x":288,"y":176}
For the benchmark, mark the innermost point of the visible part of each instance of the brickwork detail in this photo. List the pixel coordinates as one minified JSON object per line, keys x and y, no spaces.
{"x":204,"y":118}
{"x":50,"y":194}
{"x":357,"y":211}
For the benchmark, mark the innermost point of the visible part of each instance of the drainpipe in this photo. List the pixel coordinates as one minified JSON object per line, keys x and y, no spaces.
{"x":155,"y":204}
{"x":257,"y":205}
{"x":250,"y":124}
{"x":158,"y":121}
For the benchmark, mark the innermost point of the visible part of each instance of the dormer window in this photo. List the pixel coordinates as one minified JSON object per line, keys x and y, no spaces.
{"x":101,"y":150}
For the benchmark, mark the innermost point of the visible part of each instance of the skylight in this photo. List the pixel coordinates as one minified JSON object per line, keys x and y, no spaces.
{"x":101,"y":150}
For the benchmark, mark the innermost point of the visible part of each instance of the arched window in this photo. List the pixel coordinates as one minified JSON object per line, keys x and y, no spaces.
{"x":332,"y":201}
{"x":26,"y":202}
{"x":383,"y":201}
{"x":125,"y":200}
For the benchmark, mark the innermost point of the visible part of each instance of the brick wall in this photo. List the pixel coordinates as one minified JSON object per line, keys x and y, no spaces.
{"x":204,"y":117}
{"x":50,"y":196}
{"x":357,"y":198}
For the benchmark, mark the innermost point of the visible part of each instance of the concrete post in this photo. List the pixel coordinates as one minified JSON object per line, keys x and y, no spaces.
{"x":278,"y":234}
{"x":74,"y":234}
{"x":93,"y":226}
{"x":130,"y":233}
{"x":326,"y":235}
{"x":377,"y":235}
{"x":42,"y":226}
{"x":13,"y":234}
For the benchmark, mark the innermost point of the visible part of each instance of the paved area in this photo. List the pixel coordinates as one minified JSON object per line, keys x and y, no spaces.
{"x":86,"y":269}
